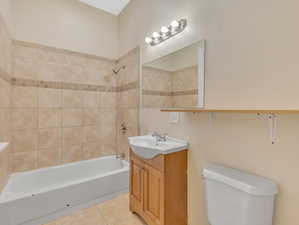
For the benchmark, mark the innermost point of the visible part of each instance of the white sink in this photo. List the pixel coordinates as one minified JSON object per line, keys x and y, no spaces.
{"x":147,"y":147}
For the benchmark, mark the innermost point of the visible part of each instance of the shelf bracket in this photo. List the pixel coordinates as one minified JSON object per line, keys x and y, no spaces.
{"x":272,"y":117}
{"x":272,"y":121}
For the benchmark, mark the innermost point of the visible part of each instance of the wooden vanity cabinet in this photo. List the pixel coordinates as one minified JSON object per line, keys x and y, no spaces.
{"x":158,"y":188}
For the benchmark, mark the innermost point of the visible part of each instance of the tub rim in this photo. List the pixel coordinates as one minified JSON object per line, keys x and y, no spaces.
{"x":7,"y":196}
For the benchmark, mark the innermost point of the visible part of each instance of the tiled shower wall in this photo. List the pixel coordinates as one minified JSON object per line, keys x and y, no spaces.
{"x":63,"y":107}
{"x":5,"y":97}
{"x":162,"y":88}
{"x":58,"y":106}
{"x":128,"y":98}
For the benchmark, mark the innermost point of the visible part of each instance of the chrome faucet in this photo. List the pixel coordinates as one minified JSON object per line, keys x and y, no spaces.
{"x":123,"y":128}
{"x":159,"y":137}
{"x":121,"y":156}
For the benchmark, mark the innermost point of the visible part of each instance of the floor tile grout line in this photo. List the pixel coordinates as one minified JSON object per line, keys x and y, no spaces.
{"x":102,"y":214}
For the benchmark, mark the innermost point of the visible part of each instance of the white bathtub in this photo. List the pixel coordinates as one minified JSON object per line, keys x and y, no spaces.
{"x":38,"y":196}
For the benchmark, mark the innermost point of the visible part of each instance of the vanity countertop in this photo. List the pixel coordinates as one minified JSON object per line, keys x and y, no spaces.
{"x":147,"y":147}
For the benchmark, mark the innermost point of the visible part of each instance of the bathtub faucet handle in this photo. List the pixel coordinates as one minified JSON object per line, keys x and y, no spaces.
{"x":121,"y":156}
{"x":123,"y":128}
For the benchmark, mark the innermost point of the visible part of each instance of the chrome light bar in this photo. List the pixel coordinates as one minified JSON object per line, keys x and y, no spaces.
{"x":165,"y":33}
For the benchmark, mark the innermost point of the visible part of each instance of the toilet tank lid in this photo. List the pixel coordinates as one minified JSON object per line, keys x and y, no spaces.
{"x":250,"y":183}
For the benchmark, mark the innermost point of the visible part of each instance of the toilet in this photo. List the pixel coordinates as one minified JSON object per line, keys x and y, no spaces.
{"x":234,"y":197}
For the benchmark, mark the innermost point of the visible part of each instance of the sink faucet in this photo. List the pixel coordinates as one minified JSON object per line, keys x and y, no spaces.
{"x":159,"y":137}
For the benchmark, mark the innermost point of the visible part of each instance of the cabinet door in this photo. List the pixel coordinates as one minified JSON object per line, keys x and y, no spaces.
{"x":153,"y":195}
{"x":136,"y":187}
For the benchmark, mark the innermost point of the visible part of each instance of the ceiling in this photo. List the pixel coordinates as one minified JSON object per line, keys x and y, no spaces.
{"x":111,"y":6}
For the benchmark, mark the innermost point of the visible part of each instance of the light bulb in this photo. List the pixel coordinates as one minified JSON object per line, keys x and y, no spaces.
{"x":156,"y":35}
{"x":175,"y":24}
{"x":164,"y":29}
{"x":148,"y":40}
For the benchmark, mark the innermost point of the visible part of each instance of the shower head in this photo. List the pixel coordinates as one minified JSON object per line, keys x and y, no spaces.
{"x":116,"y":71}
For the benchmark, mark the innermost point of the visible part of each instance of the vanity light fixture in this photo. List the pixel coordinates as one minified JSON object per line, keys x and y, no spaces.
{"x":166,"y":32}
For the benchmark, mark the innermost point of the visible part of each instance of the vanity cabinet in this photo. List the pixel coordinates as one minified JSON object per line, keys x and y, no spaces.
{"x":158,"y":188}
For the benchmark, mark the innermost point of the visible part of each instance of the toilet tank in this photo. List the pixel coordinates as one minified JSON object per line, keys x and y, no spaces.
{"x":234,"y":197}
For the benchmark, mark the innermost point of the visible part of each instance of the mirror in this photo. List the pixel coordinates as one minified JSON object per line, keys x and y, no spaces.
{"x":175,"y":80}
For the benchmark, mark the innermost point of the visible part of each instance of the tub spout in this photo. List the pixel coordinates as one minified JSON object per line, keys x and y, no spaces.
{"x":121,"y":156}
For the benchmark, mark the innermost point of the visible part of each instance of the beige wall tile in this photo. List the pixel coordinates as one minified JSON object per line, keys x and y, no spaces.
{"x":155,"y":101}
{"x":156,"y":80}
{"x":25,"y":62}
{"x":90,"y":99}
{"x":91,"y":116}
{"x":48,"y":157}
{"x":108,"y":140}
{"x":72,"y":74}
{"x":51,"y":72}
{"x":124,"y":99}
{"x":4,"y":168}
{"x":5,"y":121}
{"x":5,"y":100}
{"x":50,"y":98}
{"x":108,"y":99}
{"x":92,"y":134}
{"x":92,"y":150}
{"x":24,"y":118}
{"x":25,"y":68}
{"x":72,"y":136}
{"x":133,"y":98}
{"x":24,"y":140}
{"x":72,"y":117}
{"x":109,"y":146}
{"x":24,"y":97}
{"x":5,"y":94}
{"x":108,"y":116}
{"x":23,"y":161}
{"x":72,"y":99}
{"x":132,"y":117}
{"x":108,"y":133}
{"x":184,"y":100}
{"x":72,"y":153}
{"x":46,"y":55}
{"x":185,"y":79}
{"x":123,"y":145}
{"x":49,"y":117}
{"x":49,"y":138}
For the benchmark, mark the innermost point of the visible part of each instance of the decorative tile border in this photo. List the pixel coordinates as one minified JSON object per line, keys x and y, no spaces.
{"x":169,"y":93}
{"x":157,"y":93}
{"x":63,"y":85}
{"x":189,"y":92}
{"x":4,"y":76}
{"x":129,"y":86}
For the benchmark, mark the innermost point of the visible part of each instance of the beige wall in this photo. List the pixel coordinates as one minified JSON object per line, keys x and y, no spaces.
{"x":66,"y":24}
{"x":251,"y":61}
{"x":6,"y":13}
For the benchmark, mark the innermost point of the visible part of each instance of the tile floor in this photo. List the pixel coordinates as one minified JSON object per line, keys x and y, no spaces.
{"x":112,"y":212}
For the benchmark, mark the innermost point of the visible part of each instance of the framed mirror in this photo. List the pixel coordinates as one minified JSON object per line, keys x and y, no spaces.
{"x":175,"y":80}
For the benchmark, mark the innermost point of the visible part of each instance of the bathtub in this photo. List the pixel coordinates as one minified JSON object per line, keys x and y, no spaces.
{"x":38,"y":196}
